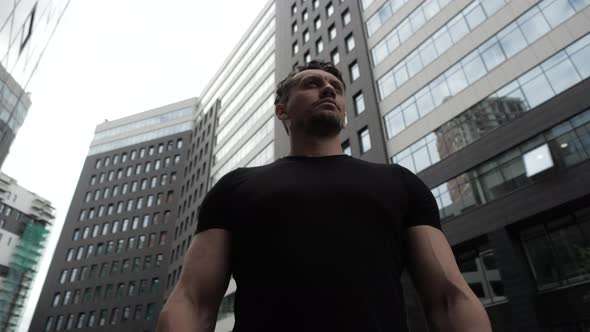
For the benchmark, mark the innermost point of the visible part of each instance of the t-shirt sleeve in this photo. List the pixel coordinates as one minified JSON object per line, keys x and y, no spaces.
{"x":216,"y":207}
{"x":422,"y":208}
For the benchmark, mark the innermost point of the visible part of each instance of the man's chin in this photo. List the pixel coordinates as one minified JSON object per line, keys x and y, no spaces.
{"x":325,"y":123}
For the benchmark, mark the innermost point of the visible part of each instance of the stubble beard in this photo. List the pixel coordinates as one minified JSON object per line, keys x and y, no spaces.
{"x":323,"y":125}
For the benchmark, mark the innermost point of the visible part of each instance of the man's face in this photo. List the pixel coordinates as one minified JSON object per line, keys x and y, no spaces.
{"x":315,"y":106}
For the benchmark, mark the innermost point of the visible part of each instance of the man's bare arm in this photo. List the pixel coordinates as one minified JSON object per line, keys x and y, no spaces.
{"x":449,"y":303}
{"x":194,"y":302}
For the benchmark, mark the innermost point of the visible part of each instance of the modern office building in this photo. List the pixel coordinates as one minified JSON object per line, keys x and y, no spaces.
{"x":487,"y":102}
{"x":26,"y":26}
{"x":112,"y":258}
{"x":25,"y":219}
{"x":234,"y":128}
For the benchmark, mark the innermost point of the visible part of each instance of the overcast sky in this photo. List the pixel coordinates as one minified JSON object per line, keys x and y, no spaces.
{"x":109,"y":59}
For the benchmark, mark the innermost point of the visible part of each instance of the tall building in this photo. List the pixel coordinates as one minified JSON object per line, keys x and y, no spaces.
{"x":112,"y":258}
{"x":484,"y":101}
{"x":26,"y":26}
{"x":238,"y":107}
{"x":487,"y":102}
{"x":25,"y":219}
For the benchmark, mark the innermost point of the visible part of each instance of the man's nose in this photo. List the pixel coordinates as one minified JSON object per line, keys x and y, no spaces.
{"x":328,"y":91}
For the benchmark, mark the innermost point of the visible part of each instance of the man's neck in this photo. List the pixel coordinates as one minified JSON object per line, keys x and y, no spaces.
{"x":315,"y":146}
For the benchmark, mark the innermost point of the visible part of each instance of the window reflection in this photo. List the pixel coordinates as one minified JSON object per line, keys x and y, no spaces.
{"x":534,"y":87}
{"x":482,"y":60}
{"x":569,"y":145}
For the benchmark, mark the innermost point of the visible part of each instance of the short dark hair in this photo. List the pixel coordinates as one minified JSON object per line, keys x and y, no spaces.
{"x":282,"y":94}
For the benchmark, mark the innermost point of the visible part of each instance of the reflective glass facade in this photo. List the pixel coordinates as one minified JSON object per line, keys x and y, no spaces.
{"x":555,"y":75}
{"x":25,"y":30}
{"x":496,"y":50}
{"x":569,"y":145}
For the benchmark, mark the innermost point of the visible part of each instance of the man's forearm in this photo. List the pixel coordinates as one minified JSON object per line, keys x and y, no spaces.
{"x":180,"y":315}
{"x":459,"y":312}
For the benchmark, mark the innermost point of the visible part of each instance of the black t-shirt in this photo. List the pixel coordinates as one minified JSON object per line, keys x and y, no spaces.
{"x":318,"y":242}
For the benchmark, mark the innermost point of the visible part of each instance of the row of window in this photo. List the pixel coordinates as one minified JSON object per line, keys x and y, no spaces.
{"x":143,"y":241}
{"x":142,"y":137}
{"x":149,"y":122}
{"x":383,"y":14}
{"x":139,"y":169}
{"x":111,"y":292}
{"x":529,"y":27}
{"x":124,"y":188}
{"x":109,"y":269}
{"x":315,"y":5}
{"x":125,"y":225}
{"x":102,"y":318}
{"x":246,"y":98}
{"x":444,"y":38}
{"x":561,"y":147}
{"x":237,"y":136}
{"x":240,"y":60}
{"x":553,"y":76}
{"x":245,"y":149}
{"x":319,"y":48}
{"x":228,"y":128}
{"x":121,"y":207}
{"x":406,"y":28}
{"x":151,"y":150}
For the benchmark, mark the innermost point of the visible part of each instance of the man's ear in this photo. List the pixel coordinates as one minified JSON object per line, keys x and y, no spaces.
{"x":281,"y":112}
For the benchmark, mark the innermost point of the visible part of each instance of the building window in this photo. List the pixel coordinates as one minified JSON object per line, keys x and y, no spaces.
{"x":305,"y":36}
{"x":335,"y":56}
{"x":480,"y":271}
{"x":307,"y":57}
{"x":56,"y":298}
{"x":63,"y":277}
{"x":346,"y":17}
{"x":558,"y":251}
{"x":350,"y":42}
{"x":317,"y":23}
{"x":365,"y":139}
{"x":359,"y":103}
{"x":304,"y":15}
{"x":70,"y":322}
{"x":91,"y":318}
{"x":80,"y":322}
{"x":49,"y":324}
{"x":316,"y":4}
{"x":294,"y":28}
{"x":59,"y":323}
{"x":294,"y":9}
{"x":332,"y":32}
{"x":354,"y":71}
{"x":329,"y":10}
{"x":150,"y":311}
{"x":102,"y":319}
{"x":319,"y":46}
{"x":346,"y":148}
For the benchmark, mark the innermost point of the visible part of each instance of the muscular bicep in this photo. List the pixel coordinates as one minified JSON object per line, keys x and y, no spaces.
{"x":206,"y":268}
{"x":432,"y":265}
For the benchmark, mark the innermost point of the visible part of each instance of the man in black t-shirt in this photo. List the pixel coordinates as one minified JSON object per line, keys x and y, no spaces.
{"x":317,"y":240}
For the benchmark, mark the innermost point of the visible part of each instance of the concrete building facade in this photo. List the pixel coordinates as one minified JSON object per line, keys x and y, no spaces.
{"x":112,"y":259}
{"x":484,"y":101}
